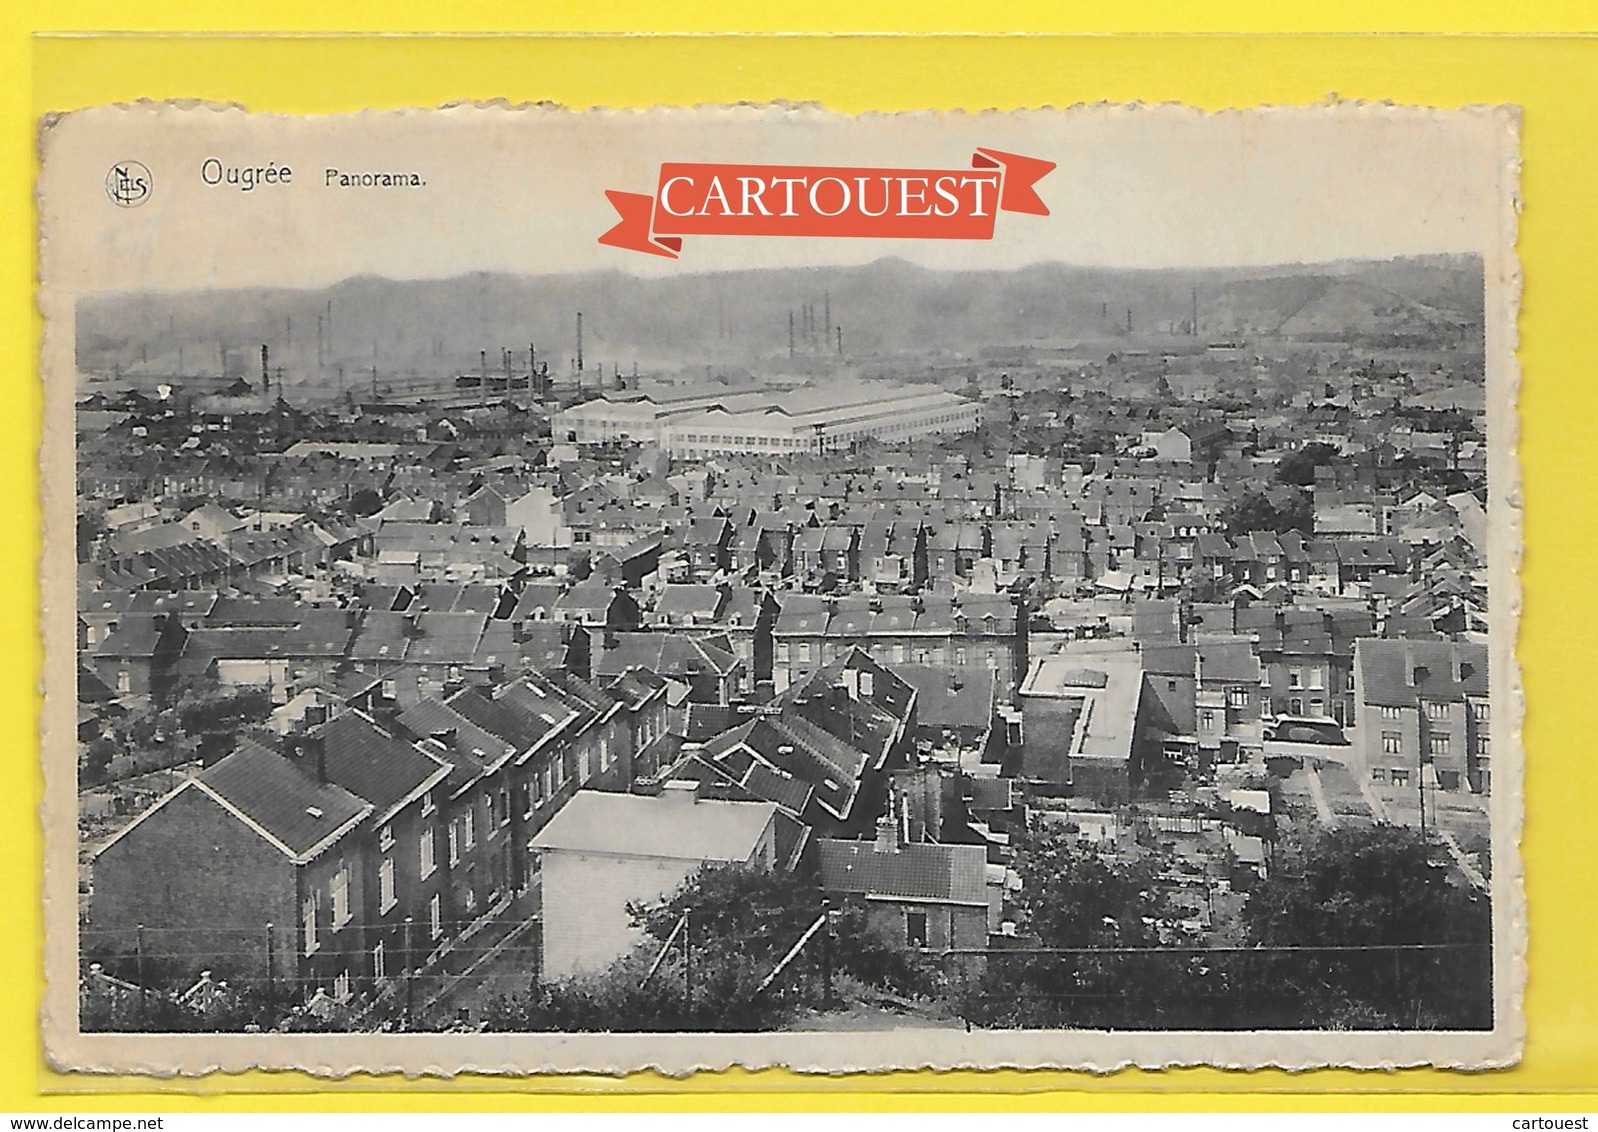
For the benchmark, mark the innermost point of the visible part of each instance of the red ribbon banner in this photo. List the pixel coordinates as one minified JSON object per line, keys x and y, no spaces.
{"x":815,"y":200}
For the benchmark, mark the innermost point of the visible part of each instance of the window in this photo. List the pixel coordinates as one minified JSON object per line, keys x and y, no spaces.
{"x":915,"y":928}
{"x":868,"y":682}
{"x":1481,"y":710}
{"x":959,"y":656}
{"x":454,"y":835}
{"x":385,"y":837}
{"x":1483,"y":748}
{"x":1392,"y":712}
{"x":435,"y":917}
{"x":339,"y":890}
{"x":1436,"y":709}
{"x":1207,"y":718}
{"x":1392,"y":743}
{"x":1399,"y":777}
{"x":341,"y":985}
{"x":1316,"y":677}
{"x":1437,"y":745}
{"x":504,"y":805}
{"x":124,"y":680}
{"x":1348,"y":681}
{"x":379,"y":962}
{"x":386,"y":898}
{"x":1378,"y":774}
{"x":426,"y":858}
{"x":1237,"y":697}
{"x":469,"y":828}
{"x":308,"y":923}
{"x":428,"y":805}
{"x":1295,"y":677}
{"x":390,"y":689}
{"x":604,"y":752}
{"x":1295,"y":706}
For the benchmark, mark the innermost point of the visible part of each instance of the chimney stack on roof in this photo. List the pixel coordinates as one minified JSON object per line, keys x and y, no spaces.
{"x":887,"y":834}
{"x":680,"y":791}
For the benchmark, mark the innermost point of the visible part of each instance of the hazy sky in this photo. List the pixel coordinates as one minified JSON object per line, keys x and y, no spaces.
{"x":1135,"y":186}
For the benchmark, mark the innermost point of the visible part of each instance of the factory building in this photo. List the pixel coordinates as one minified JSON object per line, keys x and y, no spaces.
{"x":697,"y":423}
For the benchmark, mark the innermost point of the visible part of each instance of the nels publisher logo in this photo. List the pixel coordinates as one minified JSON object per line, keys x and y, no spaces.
{"x":128,"y":183}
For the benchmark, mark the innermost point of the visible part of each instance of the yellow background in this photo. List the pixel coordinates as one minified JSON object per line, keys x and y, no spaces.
{"x":963,"y":57}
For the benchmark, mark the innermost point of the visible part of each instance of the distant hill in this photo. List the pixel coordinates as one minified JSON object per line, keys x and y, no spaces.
{"x":736,"y":318}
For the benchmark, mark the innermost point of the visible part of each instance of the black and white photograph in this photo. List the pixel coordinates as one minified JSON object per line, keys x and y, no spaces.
{"x":473,"y":643}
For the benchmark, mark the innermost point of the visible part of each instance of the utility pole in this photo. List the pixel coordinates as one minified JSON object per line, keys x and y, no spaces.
{"x":1420,"y":782}
{"x":410,"y":970}
{"x":138,"y":968}
{"x":688,"y":961}
{"x":271,"y":963}
{"x":826,"y":960}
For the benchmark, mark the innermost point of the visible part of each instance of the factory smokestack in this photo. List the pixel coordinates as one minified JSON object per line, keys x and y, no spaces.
{"x":579,"y":345}
{"x":266,"y":374}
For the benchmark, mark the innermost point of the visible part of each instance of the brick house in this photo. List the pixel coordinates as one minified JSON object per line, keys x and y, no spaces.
{"x":915,"y":894}
{"x":1422,"y":709}
{"x":251,"y":869}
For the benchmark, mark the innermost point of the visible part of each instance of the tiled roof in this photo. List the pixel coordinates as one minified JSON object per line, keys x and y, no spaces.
{"x":282,"y":799}
{"x":467,"y":749}
{"x":1403,"y":673}
{"x":265,"y":643}
{"x":677,"y":599}
{"x":447,"y":638}
{"x":135,"y":636}
{"x":372,"y":764}
{"x":381,"y":636}
{"x":911,"y":871}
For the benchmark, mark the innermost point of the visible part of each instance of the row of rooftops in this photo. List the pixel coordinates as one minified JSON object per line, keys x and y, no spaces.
{"x":988,"y":615}
{"x":332,"y":777}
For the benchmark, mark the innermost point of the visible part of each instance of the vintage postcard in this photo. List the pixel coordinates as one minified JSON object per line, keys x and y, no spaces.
{"x":533,"y":591}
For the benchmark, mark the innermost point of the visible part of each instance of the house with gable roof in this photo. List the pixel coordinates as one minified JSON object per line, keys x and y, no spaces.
{"x":250,"y":869}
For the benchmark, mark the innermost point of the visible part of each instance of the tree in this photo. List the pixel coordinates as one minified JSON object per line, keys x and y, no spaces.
{"x":1086,"y":919}
{"x":1277,"y":512}
{"x":740,"y":923}
{"x":1427,"y":933}
{"x":91,"y":529}
{"x":1072,"y":895}
{"x":365,"y":502}
{"x":1298,"y":468}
